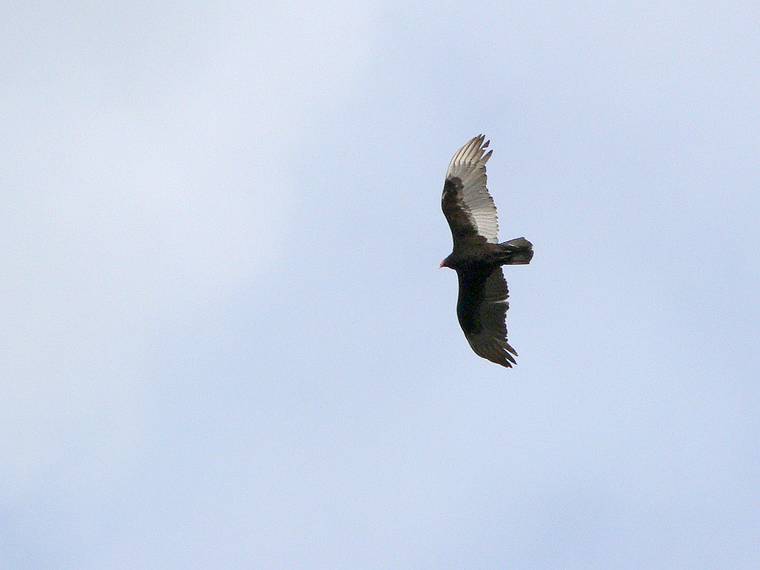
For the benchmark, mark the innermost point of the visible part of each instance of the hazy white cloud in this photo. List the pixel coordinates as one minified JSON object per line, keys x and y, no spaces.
{"x":147,"y":171}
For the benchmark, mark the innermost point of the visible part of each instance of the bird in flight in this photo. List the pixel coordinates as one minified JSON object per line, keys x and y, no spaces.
{"x":478,"y":256}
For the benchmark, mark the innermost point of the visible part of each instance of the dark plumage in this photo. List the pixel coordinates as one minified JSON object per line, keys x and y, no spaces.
{"x":478,"y":256}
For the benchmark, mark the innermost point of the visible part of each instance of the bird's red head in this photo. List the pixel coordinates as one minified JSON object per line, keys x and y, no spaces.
{"x":444,"y":263}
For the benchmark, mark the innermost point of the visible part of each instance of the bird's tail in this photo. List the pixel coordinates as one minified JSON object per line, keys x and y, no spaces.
{"x":518,"y":251}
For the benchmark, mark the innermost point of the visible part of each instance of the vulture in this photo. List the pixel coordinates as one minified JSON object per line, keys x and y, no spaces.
{"x":477,"y":255}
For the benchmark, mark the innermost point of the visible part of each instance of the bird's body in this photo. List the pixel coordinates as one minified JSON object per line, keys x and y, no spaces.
{"x":477,"y":255}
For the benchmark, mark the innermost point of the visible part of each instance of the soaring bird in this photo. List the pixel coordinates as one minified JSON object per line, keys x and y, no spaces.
{"x":478,"y":256}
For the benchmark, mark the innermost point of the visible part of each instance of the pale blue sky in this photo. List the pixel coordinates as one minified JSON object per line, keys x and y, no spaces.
{"x":226,"y":342}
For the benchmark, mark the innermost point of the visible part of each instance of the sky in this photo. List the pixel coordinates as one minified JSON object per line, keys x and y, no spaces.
{"x":226,"y":341}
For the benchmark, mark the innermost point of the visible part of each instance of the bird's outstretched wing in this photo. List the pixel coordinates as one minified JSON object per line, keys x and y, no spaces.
{"x":466,"y":203}
{"x":482,"y":311}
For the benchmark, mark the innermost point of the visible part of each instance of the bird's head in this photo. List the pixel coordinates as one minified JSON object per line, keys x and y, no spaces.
{"x":444,"y":263}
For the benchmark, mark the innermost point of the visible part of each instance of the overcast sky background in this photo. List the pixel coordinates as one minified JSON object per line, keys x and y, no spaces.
{"x":225,"y":339}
